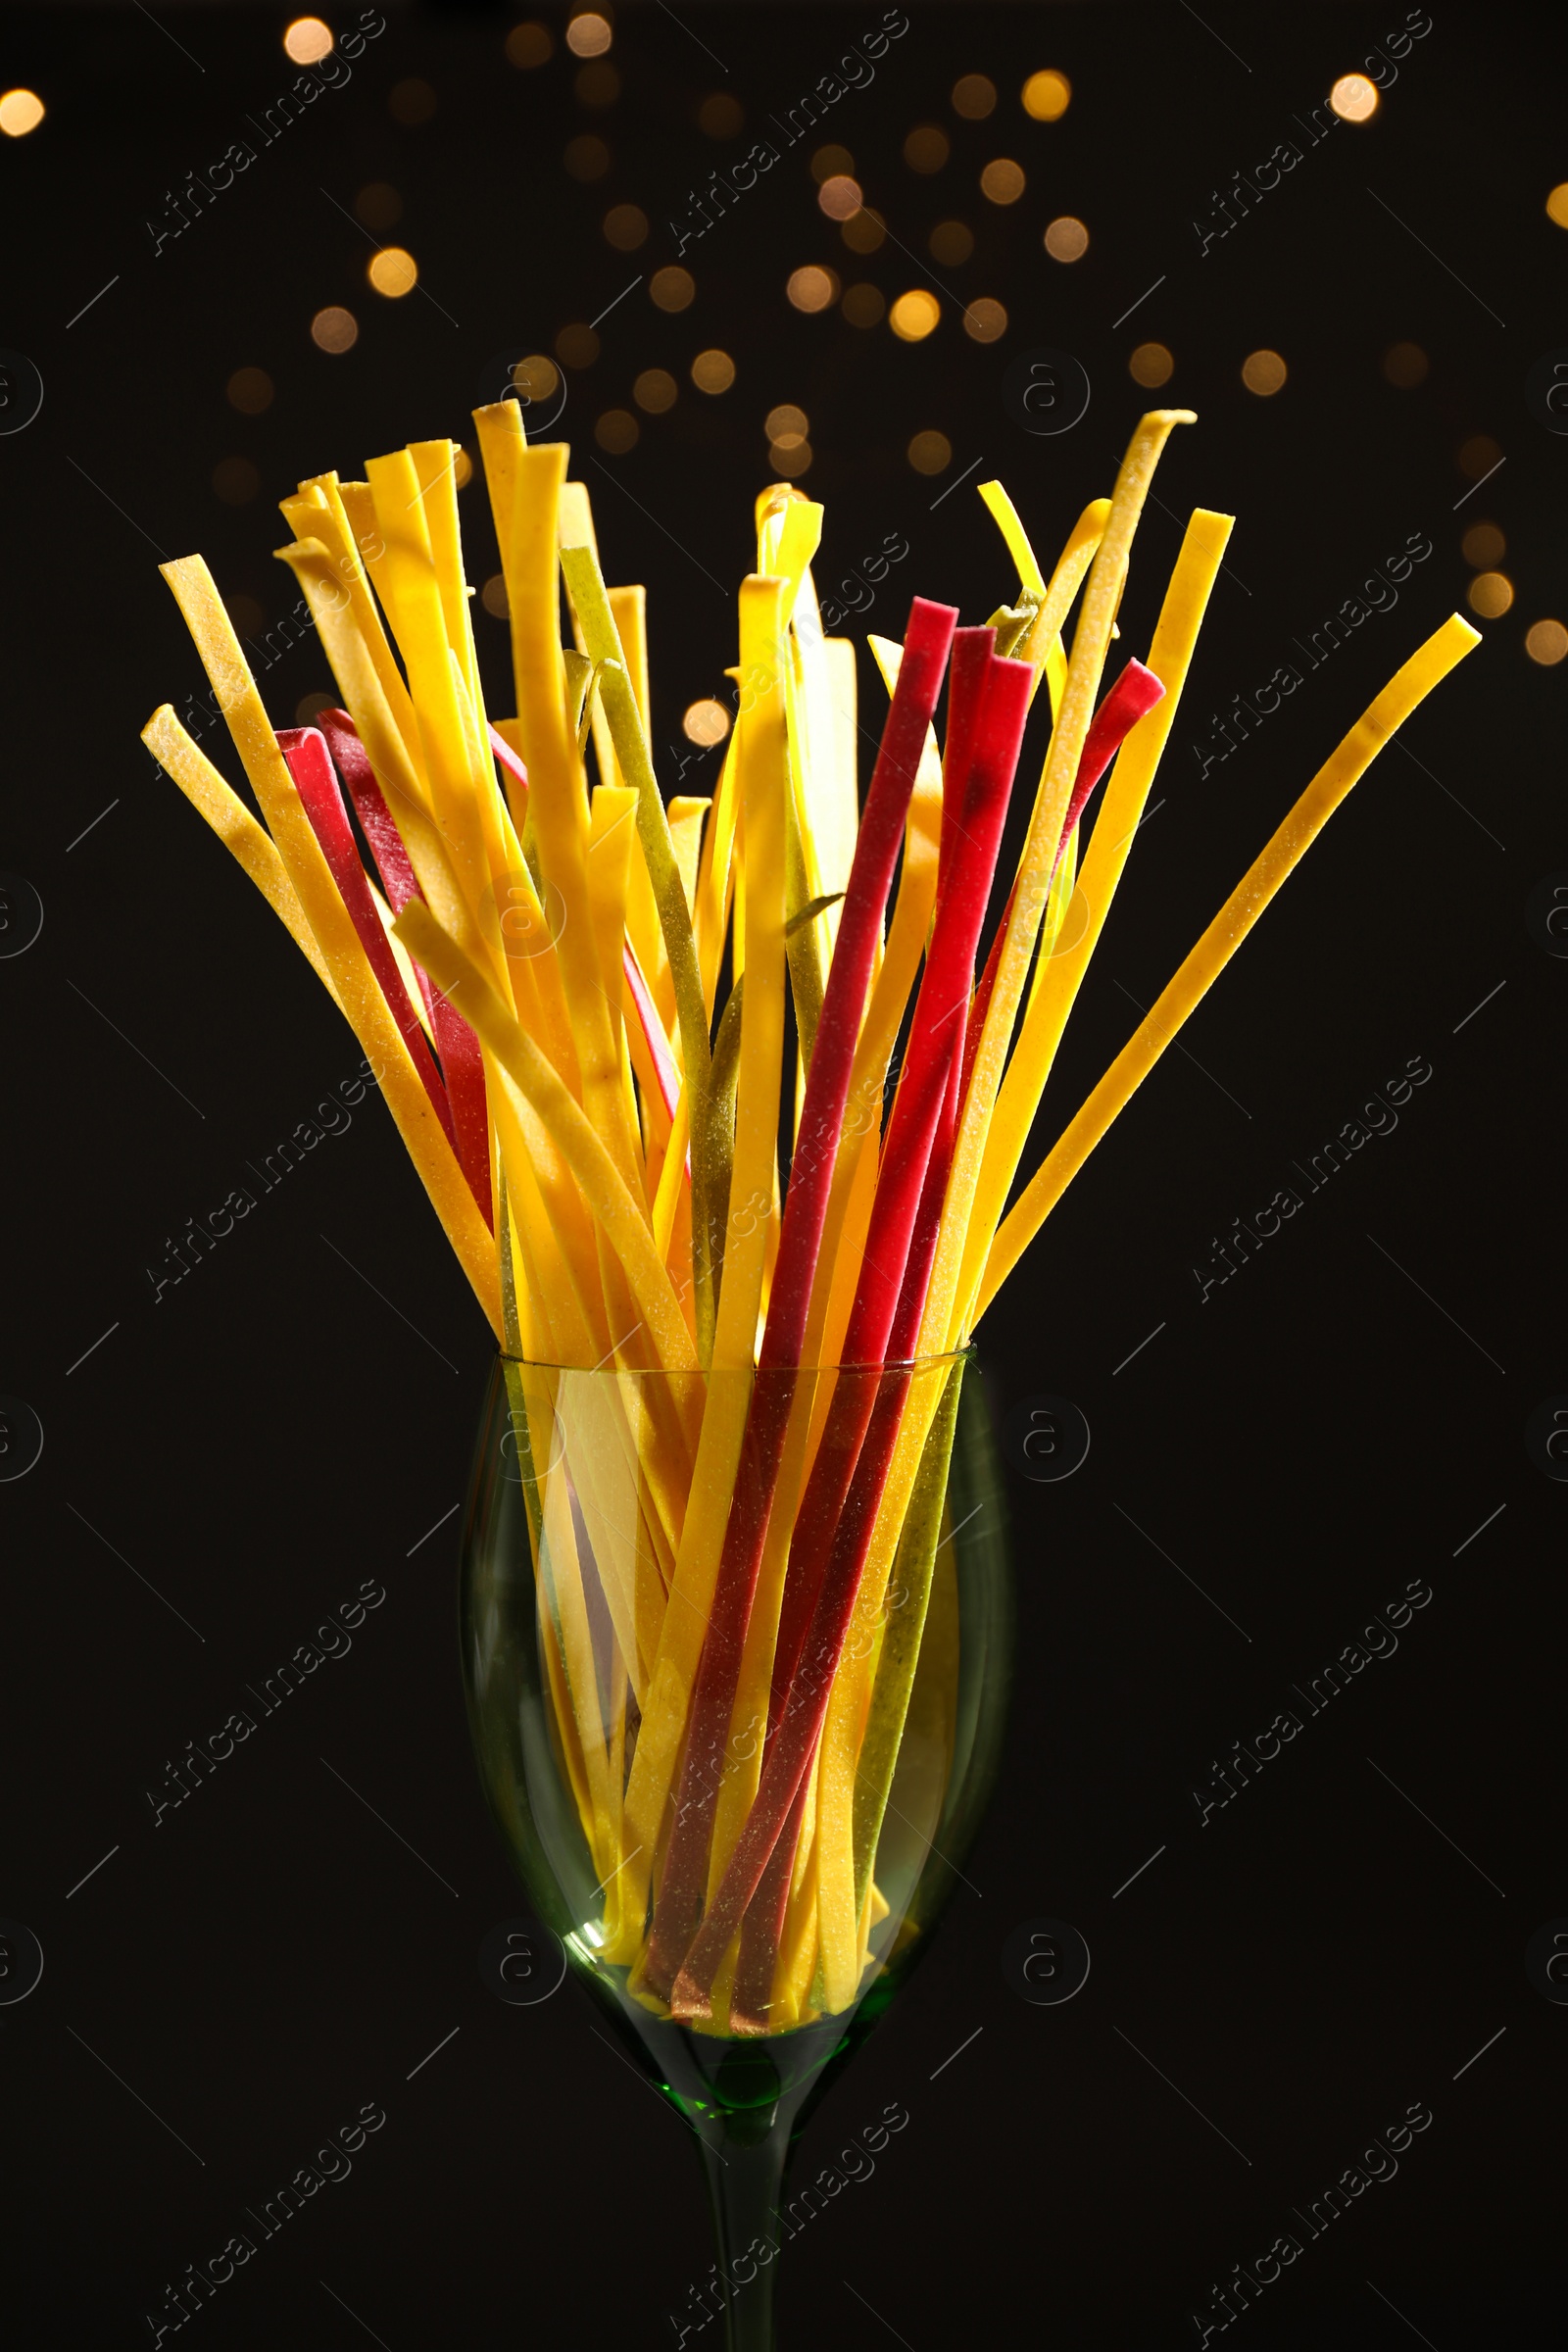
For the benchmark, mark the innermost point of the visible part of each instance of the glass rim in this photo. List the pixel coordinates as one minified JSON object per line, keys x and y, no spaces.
{"x":603,"y":1371}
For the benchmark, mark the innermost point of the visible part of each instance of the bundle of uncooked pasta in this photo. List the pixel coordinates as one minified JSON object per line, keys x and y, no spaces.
{"x":720,"y":1091}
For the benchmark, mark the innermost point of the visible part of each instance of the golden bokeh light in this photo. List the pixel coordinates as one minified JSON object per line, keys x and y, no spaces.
{"x":863,"y":232}
{"x":1546,"y":642}
{"x":250,"y":390}
{"x":840,"y":197}
{"x":985,"y":321}
{"x":1479,"y":456}
{"x":952,"y":243}
{"x":926,"y":149}
{"x":706,"y":722}
{"x":586,"y":158}
{"x":308,"y":40}
{"x":713,"y":371}
{"x":1264,"y":373}
{"x":535,"y":378}
{"x":461,"y":470}
{"x":577,"y":346}
{"x":1150,"y":366}
{"x":393,"y":271}
{"x":1557,"y":204}
{"x":792,"y":462}
{"x":1483,"y":546}
{"x":308,"y":710}
{"x":914,"y":316}
{"x":617,"y":432}
{"x":655,"y":391}
{"x":974,"y":95}
{"x":1491,"y":594}
{"x":1066,"y":239}
{"x":529,"y":45}
{"x":588,"y":35}
{"x":236,"y":481}
{"x":671,"y":288}
{"x":493,"y":597}
{"x":720,"y":117}
{"x":334,"y":329}
{"x":786,"y":426}
{"x":832,"y":163}
{"x":1047,"y":96}
{"x":378,"y":206}
{"x":811,"y":288}
{"x":412,"y":102}
{"x":930,"y":453}
{"x":20,"y":111}
{"x":863,"y":304}
{"x":626,"y":226}
{"x":1406,"y":364}
{"x":1354,"y":98}
{"x":1001,"y":181}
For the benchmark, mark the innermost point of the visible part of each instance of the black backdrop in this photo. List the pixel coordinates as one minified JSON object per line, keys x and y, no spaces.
{"x":232,"y":1460}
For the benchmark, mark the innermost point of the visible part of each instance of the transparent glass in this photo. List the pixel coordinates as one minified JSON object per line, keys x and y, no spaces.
{"x":584,"y":1515}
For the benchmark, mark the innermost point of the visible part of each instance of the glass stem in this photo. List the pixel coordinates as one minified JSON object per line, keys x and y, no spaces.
{"x":745,"y":2187}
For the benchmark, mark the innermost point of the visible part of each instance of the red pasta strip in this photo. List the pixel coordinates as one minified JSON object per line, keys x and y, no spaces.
{"x":844,"y":1491}
{"x":461,"y":1063}
{"x":512,"y":765}
{"x":310,"y":763}
{"x":683,"y":1880}
{"x":1136,"y":691}
{"x":653,"y":1029}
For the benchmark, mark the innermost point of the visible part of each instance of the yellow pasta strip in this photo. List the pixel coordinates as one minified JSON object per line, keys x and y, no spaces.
{"x":435,"y":469}
{"x":743,"y":1757}
{"x":830,"y":783}
{"x":401,"y":958}
{"x":319,"y":514}
{"x":628,"y":609}
{"x":612,"y":839}
{"x":671,"y":1176}
{"x":591,"y":603}
{"x":358,"y":502}
{"x":577,"y":1140}
{"x":1059,"y":976}
{"x":603,"y":1467}
{"x":686,"y":814}
{"x":405,"y":796}
{"x":209,"y":794}
{"x":456,"y":793}
{"x":764,"y":783}
{"x":562,"y":1239}
{"x":1041,"y":645}
{"x":1006,"y":516}
{"x":523,"y":949}
{"x":526,"y":493}
{"x":574,"y":525}
{"x":762,"y":755}
{"x":836,"y":1920}
{"x":715,"y":878}
{"x":798,"y":1947}
{"x":1056,"y":674}
{"x":358,"y":992}
{"x":577,"y":1654}
{"x":1032,"y":888}
{"x":1409,"y":686}
{"x":786,"y":544}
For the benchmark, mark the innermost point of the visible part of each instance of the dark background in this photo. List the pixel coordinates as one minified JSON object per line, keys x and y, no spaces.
{"x":1278,"y":1985}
